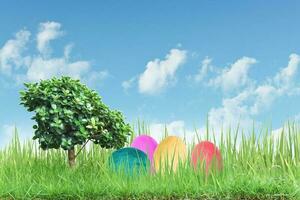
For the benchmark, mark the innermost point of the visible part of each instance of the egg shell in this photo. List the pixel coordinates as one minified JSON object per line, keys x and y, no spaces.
{"x":145,"y":143}
{"x":130,"y":160}
{"x":169,"y":153}
{"x":206,"y":151}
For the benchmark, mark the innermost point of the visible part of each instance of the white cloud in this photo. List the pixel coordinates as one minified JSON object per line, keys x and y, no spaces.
{"x":95,"y":77}
{"x":43,"y":65}
{"x":233,"y":111}
{"x":265,"y":95}
{"x":180,"y":129}
{"x":276,"y":134}
{"x":159,"y":73}
{"x":283,"y":83}
{"x":128,"y":84}
{"x":25,"y":132}
{"x":157,"y":130}
{"x":6,"y":133}
{"x":46,"y":68}
{"x":234,"y":76}
{"x":47,"y":31}
{"x":255,"y":98}
{"x":68,"y":50}
{"x":8,"y":130}
{"x":243,"y":107}
{"x":176,"y":128}
{"x":297,"y":118}
{"x":285,"y":78}
{"x":11,"y":52}
{"x":206,"y":67}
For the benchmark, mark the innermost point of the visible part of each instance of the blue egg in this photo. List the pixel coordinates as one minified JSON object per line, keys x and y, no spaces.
{"x":129,"y":161}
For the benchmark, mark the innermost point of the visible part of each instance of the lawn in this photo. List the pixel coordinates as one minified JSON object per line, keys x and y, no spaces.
{"x":255,"y":166}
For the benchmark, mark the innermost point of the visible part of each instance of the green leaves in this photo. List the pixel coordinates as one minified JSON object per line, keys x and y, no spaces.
{"x":66,"y":143}
{"x":53,"y":106}
{"x":68,"y":113}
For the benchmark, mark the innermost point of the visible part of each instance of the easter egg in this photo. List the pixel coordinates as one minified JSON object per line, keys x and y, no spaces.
{"x":129,"y":161}
{"x":145,"y":143}
{"x":169,"y":153}
{"x":207,"y":152}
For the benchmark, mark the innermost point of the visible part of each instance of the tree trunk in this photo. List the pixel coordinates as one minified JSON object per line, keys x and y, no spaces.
{"x":71,"y":157}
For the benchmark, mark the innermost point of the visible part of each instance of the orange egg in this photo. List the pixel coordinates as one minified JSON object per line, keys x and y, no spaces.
{"x":169,"y":153}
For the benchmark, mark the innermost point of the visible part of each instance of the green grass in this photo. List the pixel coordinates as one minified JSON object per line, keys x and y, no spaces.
{"x":258,"y":168}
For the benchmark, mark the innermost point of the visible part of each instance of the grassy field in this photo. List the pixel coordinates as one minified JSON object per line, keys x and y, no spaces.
{"x":256,"y":166}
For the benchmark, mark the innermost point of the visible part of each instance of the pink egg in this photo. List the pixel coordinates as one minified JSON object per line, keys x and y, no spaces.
{"x":146,"y":144}
{"x":206,"y":151}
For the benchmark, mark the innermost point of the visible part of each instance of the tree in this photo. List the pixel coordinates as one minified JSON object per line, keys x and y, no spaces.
{"x":68,"y":113}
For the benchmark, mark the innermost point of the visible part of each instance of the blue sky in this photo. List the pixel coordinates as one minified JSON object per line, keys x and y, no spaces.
{"x":165,"y":62}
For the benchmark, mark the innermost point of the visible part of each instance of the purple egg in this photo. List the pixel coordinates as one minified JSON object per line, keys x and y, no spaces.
{"x":146,"y":144}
